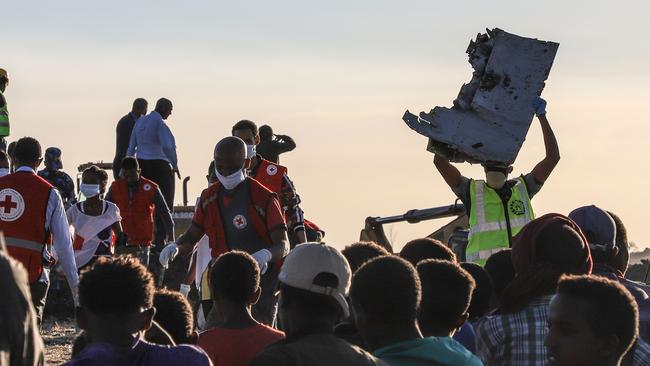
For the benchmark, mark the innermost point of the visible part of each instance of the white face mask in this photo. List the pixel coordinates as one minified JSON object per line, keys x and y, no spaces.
{"x":231,"y":181}
{"x":251,"y":151}
{"x":496,"y":180}
{"x":4,"y":171}
{"x":89,"y":190}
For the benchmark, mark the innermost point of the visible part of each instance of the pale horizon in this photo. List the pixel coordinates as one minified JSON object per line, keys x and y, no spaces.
{"x":337,"y":77}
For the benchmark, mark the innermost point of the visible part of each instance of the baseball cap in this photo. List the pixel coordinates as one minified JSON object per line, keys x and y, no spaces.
{"x":306,"y":261}
{"x":597,"y":225}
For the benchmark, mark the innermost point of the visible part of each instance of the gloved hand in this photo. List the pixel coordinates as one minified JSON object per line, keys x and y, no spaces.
{"x":185,"y":290}
{"x":540,"y":106}
{"x":168,"y":254}
{"x":263,"y":257}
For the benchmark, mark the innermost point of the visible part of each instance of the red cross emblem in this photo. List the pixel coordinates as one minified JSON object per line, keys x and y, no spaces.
{"x":271,"y":170}
{"x":240,"y":222}
{"x":12,"y":205}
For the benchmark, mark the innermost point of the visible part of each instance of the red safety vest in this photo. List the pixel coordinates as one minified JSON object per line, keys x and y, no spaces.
{"x":23,"y":204}
{"x":270,"y":175}
{"x":138,"y":211}
{"x":259,"y":200}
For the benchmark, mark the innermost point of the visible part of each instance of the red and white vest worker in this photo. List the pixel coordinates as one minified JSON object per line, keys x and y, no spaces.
{"x":34,"y":223}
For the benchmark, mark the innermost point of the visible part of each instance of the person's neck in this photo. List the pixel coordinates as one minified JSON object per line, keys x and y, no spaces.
{"x":115,"y":339}
{"x":382,"y":335}
{"x":301,"y":326}
{"x":236,"y":316}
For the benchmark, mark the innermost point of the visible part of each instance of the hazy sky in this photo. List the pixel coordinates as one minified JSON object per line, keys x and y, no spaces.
{"x":337,"y":76}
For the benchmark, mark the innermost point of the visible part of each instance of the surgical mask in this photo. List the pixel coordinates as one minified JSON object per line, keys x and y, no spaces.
{"x":251,"y":151}
{"x":231,"y":181}
{"x":4,"y":171}
{"x":89,"y":190}
{"x":496,"y":180}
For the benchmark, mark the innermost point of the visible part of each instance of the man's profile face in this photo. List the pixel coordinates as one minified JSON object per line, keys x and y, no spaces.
{"x":166,"y":112}
{"x":132,"y":176}
{"x":570,"y":340}
{"x":248,"y":136}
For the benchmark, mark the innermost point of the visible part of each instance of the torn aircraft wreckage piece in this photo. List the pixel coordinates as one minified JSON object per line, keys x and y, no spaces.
{"x":493,"y":112}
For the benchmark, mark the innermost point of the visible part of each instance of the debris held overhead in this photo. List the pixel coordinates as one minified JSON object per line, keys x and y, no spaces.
{"x":491,"y":116}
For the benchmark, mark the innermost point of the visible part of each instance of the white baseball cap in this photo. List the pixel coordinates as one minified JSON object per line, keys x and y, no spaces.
{"x":306,"y":261}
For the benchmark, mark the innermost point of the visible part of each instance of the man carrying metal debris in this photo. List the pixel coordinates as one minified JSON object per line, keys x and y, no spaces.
{"x":497,"y":207}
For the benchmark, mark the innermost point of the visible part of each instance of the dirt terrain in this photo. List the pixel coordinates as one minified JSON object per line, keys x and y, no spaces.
{"x":58,"y":335}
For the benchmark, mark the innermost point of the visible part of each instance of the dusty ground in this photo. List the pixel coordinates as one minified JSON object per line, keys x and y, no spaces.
{"x":58,"y":335}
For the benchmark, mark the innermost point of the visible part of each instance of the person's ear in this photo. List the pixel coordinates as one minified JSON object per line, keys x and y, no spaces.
{"x":257,"y":139}
{"x":247,"y":163}
{"x":255,"y":297}
{"x":460,"y":321}
{"x":82,"y":320}
{"x":40,"y":161}
{"x":146,"y":318}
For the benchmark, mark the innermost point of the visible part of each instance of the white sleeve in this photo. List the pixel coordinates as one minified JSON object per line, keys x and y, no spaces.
{"x":57,"y":223}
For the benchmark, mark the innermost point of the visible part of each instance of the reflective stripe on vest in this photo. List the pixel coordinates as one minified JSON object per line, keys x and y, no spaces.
{"x":25,"y":244}
{"x":488,"y":226}
{"x":4,"y":118}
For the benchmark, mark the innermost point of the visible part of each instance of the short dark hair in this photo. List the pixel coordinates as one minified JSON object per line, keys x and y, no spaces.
{"x":362,"y":251}
{"x":130,"y":162}
{"x":266,"y":132}
{"x":245,"y":124}
{"x":174,"y":314}
{"x":387,"y":288}
{"x":446,"y":294}
{"x":612,"y":309}
{"x":3,"y":157}
{"x":163,"y":103}
{"x":562,"y":247}
{"x":235,"y":276}
{"x":28,"y":150}
{"x":140,"y":103}
{"x":502,"y":272}
{"x":97,"y":171}
{"x":482,"y":293}
{"x":426,"y":248}
{"x":116,"y":285}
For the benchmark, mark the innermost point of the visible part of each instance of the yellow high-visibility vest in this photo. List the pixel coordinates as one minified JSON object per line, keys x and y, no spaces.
{"x":489,"y":219}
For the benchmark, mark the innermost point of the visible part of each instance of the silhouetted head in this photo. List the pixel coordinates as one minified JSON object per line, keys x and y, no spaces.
{"x":164,"y":107}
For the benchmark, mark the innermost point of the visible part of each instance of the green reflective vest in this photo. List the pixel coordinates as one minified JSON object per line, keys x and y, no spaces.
{"x":488,"y":221}
{"x":4,"y":118}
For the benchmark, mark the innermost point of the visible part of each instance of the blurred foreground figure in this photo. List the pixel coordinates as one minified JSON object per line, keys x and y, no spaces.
{"x":20,"y":341}
{"x":115,"y":308}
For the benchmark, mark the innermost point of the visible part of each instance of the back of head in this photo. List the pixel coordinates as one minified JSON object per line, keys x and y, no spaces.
{"x":11,"y":148}
{"x":245,"y":125}
{"x":235,"y":277}
{"x":4,"y":159}
{"x":546,"y":248}
{"x":612,"y":309}
{"x":174,"y":314}
{"x":446,"y":294}
{"x":482,"y":292}
{"x":27,"y":151}
{"x":139,"y":104}
{"x":387,"y":291}
{"x":360,"y":252}
{"x":19,"y":335}
{"x":116,"y":286}
{"x":499,"y":267}
{"x":266,"y":133}
{"x":163,"y":104}
{"x":426,"y":248}
{"x":314,"y":281}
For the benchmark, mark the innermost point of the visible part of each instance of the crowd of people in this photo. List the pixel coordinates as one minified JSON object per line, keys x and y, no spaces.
{"x":527,"y":291}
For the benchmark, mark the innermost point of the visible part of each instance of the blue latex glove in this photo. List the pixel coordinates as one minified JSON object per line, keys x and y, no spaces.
{"x":540,"y":106}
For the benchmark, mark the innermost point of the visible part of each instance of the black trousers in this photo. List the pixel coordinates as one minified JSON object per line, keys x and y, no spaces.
{"x":161,"y":173}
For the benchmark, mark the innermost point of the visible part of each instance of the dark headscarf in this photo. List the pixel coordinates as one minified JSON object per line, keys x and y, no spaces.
{"x":546,"y":248}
